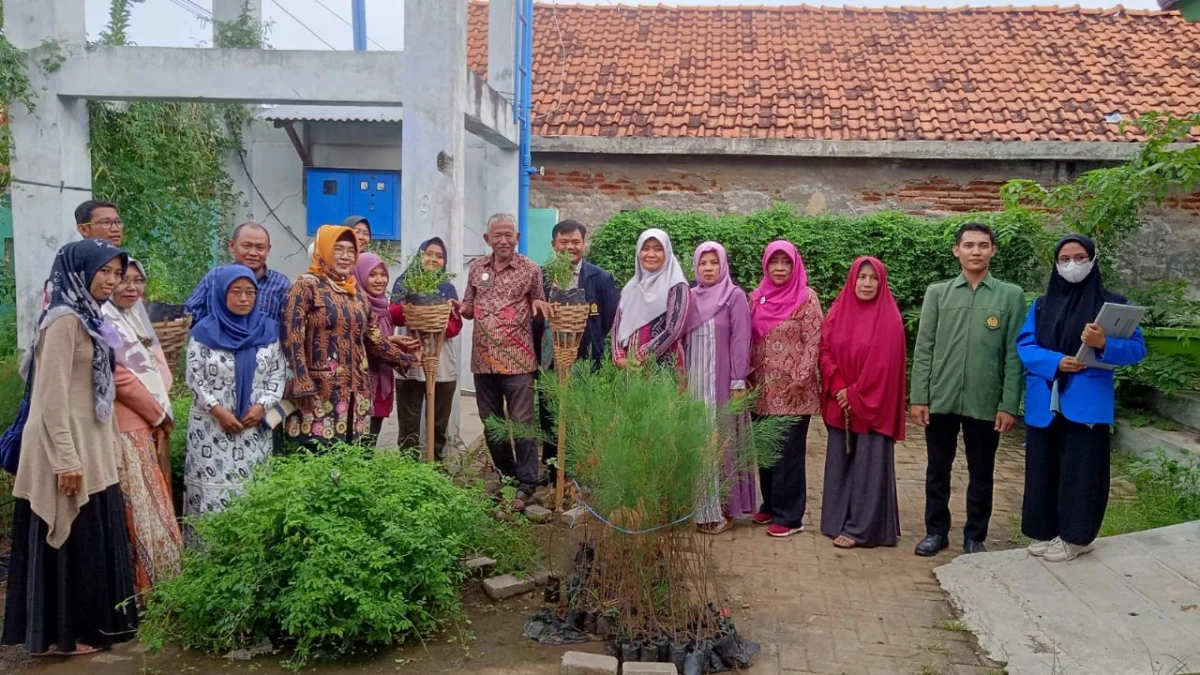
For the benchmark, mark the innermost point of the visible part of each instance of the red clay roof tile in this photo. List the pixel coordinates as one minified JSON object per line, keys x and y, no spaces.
{"x":800,"y":72}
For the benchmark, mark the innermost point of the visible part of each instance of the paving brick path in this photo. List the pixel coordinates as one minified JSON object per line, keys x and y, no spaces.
{"x":817,"y":609}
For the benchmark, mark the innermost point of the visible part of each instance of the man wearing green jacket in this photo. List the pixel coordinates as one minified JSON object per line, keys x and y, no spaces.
{"x":966,"y":376}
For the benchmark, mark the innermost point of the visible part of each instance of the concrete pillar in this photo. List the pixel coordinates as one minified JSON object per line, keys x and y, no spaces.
{"x":226,"y":11}
{"x":433,"y":157}
{"x":502,"y":166}
{"x":50,"y":164}
{"x":230,"y":10}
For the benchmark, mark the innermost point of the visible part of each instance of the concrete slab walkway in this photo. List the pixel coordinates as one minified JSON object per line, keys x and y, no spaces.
{"x":1131,"y":607}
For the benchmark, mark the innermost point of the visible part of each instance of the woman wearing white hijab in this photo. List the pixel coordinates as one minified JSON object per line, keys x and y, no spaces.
{"x":652,"y":314}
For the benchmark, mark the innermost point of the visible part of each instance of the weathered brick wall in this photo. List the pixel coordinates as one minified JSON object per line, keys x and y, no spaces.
{"x":592,"y":188}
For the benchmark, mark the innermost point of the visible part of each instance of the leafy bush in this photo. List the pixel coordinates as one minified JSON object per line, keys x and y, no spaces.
{"x":328,"y":552}
{"x":181,"y":406}
{"x":917,"y":251}
{"x":12,"y":390}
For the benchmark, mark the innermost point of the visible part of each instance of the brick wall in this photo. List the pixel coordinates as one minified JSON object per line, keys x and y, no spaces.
{"x":592,"y":188}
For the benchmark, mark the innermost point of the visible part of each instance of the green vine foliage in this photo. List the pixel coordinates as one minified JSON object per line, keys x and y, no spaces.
{"x":164,"y":165}
{"x":1108,"y":204}
{"x":917,"y":251}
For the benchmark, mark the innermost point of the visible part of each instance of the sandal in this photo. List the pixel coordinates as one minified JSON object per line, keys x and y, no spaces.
{"x":843,"y":541}
{"x":518,"y":503}
{"x":713,"y":528}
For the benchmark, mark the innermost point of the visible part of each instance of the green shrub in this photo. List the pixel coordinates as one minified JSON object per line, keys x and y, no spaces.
{"x":325,"y":553}
{"x":917,"y":251}
{"x":180,"y":407}
{"x":12,"y":390}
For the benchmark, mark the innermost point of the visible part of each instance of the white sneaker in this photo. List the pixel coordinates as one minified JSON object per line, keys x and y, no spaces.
{"x":1061,"y":551}
{"x":1038,"y":548}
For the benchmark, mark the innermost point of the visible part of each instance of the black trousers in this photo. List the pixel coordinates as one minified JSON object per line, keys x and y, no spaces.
{"x":410,"y":404}
{"x":981,"y":440}
{"x":1066,"y":481}
{"x":784,"y":486}
{"x":495,"y":393}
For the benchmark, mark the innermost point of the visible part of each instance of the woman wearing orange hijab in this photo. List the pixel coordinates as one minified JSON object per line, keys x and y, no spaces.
{"x":328,"y":332}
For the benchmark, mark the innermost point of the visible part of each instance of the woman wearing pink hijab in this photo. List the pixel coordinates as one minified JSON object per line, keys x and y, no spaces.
{"x":716,"y":356}
{"x":785,"y":332}
{"x":372,"y":275}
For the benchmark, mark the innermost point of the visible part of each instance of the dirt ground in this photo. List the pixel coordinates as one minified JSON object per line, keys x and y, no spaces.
{"x":813,"y":608}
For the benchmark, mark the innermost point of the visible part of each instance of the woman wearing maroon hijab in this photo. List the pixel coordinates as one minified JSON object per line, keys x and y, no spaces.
{"x":862,"y":402}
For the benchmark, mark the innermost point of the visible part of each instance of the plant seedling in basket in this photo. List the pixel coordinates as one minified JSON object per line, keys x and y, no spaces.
{"x":421,"y":285}
{"x":559,"y":271}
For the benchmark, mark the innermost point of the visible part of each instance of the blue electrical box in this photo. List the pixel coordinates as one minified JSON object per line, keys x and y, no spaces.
{"x":336,"y":194}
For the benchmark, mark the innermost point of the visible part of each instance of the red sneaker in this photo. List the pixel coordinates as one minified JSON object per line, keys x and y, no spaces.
{"x":783,"y":531}
{"x":761,"y":518}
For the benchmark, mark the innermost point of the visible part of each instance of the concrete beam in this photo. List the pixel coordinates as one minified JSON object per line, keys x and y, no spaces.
{"x":489,"y":115}
{"x":233,"y":75}
{"x":935,"y":150}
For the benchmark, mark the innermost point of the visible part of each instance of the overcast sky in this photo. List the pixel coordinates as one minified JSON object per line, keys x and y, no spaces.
{"x":313,"y":23}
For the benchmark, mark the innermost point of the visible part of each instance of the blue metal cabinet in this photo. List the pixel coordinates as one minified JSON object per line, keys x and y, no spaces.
{"x":375,"y":197}
{"x":335,"y":194}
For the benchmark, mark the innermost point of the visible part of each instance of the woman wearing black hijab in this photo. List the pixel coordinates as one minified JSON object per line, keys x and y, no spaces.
{"x":1069,"y":406}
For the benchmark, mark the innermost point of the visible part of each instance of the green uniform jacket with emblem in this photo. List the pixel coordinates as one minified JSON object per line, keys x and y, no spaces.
{"x":965,"y":361}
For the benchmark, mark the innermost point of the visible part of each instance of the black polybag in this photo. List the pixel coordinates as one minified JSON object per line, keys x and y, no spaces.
{"x":548,"y":630}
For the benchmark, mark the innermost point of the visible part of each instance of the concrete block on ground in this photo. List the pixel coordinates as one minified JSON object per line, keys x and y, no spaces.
{"x":1147,"y":441}
{"x":573,"y":517}
{"x":538,"y":514}
{"x":582,"y":663}
{"x":482,"y":564}
{"x":1183,"y":407}
{"x":507,"y":586}
{"x":543,"y":577}
{"x":649,"y":669}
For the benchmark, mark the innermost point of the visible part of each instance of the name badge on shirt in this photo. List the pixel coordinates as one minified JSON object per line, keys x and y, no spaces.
{"x":595,"y":309}
{"x":992,"y":322}
{"x":485,"y":280}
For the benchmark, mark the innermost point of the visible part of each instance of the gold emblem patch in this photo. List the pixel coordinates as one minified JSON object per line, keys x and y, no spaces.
{"x":992,"y":322}
{"x":595,"y":308}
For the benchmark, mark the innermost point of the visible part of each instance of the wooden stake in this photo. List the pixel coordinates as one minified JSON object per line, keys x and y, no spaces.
{"x":563,"y":375}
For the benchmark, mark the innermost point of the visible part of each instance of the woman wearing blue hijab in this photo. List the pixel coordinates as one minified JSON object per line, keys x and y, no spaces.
{"x":236,"y":371}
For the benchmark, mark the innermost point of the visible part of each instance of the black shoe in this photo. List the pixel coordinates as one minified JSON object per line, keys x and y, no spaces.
{"x":974,"y":547}
{"x":931,"y":545}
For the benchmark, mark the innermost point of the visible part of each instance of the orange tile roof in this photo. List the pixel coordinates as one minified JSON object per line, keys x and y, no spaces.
{"x":802,"y":72}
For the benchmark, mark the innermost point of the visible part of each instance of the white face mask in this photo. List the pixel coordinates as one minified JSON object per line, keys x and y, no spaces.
{"x":1075,"y":272}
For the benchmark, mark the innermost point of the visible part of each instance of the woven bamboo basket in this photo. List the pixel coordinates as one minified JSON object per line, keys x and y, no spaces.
{"x":426,"y":318}
{"x":569,"y":318}
{"x":173,"y":336}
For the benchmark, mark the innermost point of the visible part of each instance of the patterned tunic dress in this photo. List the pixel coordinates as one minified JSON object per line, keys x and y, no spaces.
{"x":219,"y":463}
{"x":327,"y":336}
{"x":789,"y":352}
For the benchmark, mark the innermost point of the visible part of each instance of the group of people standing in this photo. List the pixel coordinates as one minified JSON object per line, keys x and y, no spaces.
{"x":976,"y":346}
{"x":322,"y":359}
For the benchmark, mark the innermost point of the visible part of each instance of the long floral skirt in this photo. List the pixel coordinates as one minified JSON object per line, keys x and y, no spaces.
{"x":155,"y":542}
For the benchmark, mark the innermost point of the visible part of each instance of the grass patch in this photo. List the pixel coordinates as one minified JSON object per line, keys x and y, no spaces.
{"x":1015,"y":538}
{"x":953,"y":626}
{"x":930,"y":669}
{"x":1168,"y":493}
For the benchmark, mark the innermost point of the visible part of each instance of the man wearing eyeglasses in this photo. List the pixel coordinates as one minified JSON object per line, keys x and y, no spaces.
{"x":96,"y":219}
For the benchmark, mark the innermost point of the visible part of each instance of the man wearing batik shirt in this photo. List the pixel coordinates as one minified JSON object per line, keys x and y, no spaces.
{"x":504,"y":291}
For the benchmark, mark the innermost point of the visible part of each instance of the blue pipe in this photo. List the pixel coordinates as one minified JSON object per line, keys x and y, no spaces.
{"x":523,"y":107}
{"x":358,"y":14}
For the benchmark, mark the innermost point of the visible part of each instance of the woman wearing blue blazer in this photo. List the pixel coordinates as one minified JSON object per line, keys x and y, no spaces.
{"x":1068,"y":406}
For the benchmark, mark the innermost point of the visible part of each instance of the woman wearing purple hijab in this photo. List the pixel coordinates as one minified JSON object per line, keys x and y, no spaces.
{"x":717,"y":360}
